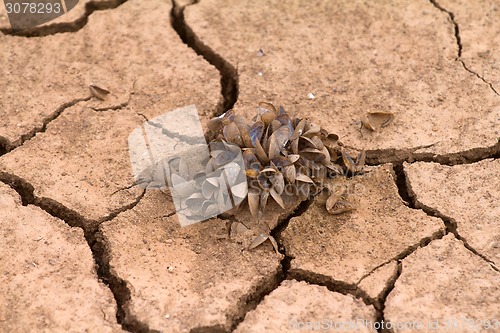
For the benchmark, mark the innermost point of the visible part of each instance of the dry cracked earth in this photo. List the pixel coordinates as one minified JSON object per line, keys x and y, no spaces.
{"x":83,"y":250}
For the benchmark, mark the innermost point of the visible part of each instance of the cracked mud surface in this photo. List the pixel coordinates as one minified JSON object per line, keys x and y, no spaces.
{"x":402,"y":60}
{"x":48,"y":274}
{"x":85,"y":250}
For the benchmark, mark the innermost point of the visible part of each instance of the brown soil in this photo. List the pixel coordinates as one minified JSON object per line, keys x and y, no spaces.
{"x":83,"y":250}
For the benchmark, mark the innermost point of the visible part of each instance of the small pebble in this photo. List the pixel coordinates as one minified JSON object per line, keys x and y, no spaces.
{"x":311,"y":96}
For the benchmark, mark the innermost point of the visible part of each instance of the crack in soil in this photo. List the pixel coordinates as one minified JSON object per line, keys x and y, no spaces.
{"x":458,"y":39}
{"x":398,"y":156}
{"x":112,"y":108}
{"x":6,"y":146}
{"x":450,"y":223}
{"x":382,"y":298}
{"x":208,"y":329}
{"x":408,"y":251}
{"x":63,"y":27}
{"x":229,"y":94}
{"x":338,"y":286}
{"x":118,"y":286}
{"x":192,"y":140}
{"x":251,"y":300}
{"x":354,"y":289}
{"x":229,"y":74}
{"x":94,"y":239}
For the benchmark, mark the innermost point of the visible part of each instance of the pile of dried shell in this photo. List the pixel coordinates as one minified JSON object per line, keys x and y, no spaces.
{"x":284,"y":157}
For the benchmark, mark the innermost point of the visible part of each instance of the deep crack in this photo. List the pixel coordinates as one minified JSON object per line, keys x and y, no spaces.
{"x":229,"y":74}
{"x":94,"y":239}
{"x":118,"y":286}
{"x":401,"y":184}
{"x":459,"y":44}
{"x":391,"y":283}
{"x":4,"y":146}
{"x":63,"y":27}
{"x":398,"y":156}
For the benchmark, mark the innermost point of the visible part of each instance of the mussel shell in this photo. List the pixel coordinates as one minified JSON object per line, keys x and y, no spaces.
{"x":305,"y":142}
{"x":268,"y":117}
{"x":245,"y":136}
{"x":232,"y":134}
{"x":348,"y":162}
{"x":253,"y":198}
{"x":278,"y":182}
{"x":277,"y":141}
{"x":249,"y":157}
{"x":261,"y":238}
{"x":299,"y":129}
{"x":289,"y":172}
{"x":252,"y":173}
{"x":294,"y":147}
{"x":311,"y":129}
{"x":240,"y":190}
{"x":181,"y":186}
{"x":263,"y":106}
{"x":360,"y":160}
{"x":303,"y":178}
{"x":261,"y":154}
{"x":277,"y":197}
{"x":285,"y":120}
{"x":225,"y":157}
{"x":242,"y":122}
{"x":256,"y":132}
{"x":282,"y":161}
{"x":215,"y":124}
{"x":293,"y":157}
{"x":380,"y":118}
{"x":334,"y":170}
{"x":313,"y":154}
{"x":317,"y":142}
{"x":263,"y":181}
